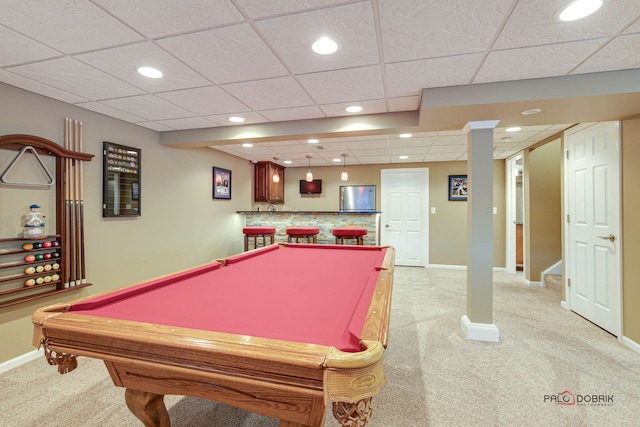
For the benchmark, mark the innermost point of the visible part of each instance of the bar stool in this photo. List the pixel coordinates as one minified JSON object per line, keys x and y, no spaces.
{"x":309,"y":233}
{"x":343,"y":233}
{"x":255,"y":232}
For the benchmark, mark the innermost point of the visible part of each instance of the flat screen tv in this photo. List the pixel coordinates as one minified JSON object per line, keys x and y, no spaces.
{"x":313,"y":187}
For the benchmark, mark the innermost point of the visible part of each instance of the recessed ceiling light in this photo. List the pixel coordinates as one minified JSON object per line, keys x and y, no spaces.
{"x":287,"y":162}
{"x":312,"y":141}
{"x":405,"y":135}
{"x":403,"y":157}
{"x":579,"y":9}
{"x":247,"y":145}
{"x":236,"y":119}
{"x":150,"y":72}
{"x":324,"y":46}
{"x":513,"y":129}
{"x":530,"y":111}
{"x":337,"y":160}
{"x":353,"y":109}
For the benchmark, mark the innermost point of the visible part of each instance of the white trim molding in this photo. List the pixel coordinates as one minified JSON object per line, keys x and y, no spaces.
{"x":479,"y":331}
{"x":21,"y":360}
{"x":631,"y":344}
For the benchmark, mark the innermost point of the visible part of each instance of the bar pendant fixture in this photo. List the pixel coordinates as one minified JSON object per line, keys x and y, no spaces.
{"x":344,"y":176}
{"x":309,"y":176}
{"x":276,"y":175}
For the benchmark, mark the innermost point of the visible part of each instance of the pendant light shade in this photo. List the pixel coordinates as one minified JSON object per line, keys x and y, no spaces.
{"x":344,"y":176}
{"x":309,"y":176}
{"x":276,"y":175}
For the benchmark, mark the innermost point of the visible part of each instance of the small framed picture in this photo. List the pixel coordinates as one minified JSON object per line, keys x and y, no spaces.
{"x":221,"y":183}
{"x":458,"y":189}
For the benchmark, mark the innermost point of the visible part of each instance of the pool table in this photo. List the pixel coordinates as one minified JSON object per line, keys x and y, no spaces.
{"x":281,"y":331}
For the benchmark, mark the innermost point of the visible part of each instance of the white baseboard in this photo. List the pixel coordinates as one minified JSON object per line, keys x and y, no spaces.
{"x":533,"y":284}
{"x":479,"y":331}
{"x":631,"y":344}
{"x":21,"y":360}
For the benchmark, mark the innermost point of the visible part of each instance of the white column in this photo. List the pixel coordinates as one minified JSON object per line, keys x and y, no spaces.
{"x":477,"y":324}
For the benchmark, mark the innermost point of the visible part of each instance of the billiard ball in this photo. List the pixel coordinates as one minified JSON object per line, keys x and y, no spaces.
{"x":55,"y":255}
{"x":37,"y":245}
{"x":46,"y":244}
{"x":27,"y":246}
{"x":47,"y":267}
{"x":47,"y":255}
{"x":55,"y":277}
{"x":55,"y":243}
{"x":29,"y":270}
{"x":55,"y":266}
{"x":47,"y":279}
{"x":39,"y":269}
{"x":39,"y":257}
{"x":29,"y":282}
{"x":30,"y":258}
{"x":39,"y":280}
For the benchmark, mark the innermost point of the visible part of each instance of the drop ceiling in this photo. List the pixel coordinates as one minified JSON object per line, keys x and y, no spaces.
{"x":396,"y":58}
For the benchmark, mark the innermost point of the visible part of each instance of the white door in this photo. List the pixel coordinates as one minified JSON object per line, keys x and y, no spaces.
{"x":593,"y":245}
{"x":404,"y":220}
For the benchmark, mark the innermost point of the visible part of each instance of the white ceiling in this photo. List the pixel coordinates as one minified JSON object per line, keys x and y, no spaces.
{"x":253,"y":58}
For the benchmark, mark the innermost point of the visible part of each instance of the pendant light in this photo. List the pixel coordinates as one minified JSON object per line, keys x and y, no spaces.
{"x":276,"y":175}
{"x":344,"y":175}
{"x":309,"y":177}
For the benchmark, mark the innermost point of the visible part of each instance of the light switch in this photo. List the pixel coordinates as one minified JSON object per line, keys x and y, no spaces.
{"x":433,"y":209}
{"x":495,"y":210}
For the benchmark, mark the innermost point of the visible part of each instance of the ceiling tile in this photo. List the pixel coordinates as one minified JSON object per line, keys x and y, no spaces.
{"x":224,"y":55}
{"x":404,"y":103}
{"x":122,"y":62}
{"x":533,"y":25}
{"x":149,"y":107}
{"x":101,"y":108}
{"x":329,"y":87}
{"x":158,"y":18}
{"x":281,"y":92}
{"x":298,"y":113}
{"x":368,"y":107}
{"x":292,"y":36}
{"x":249,"y":116}
{"x":366,"y":144}
{"x":451,"y":71}
{"x":205,"y":101}
{"x":374,"y":159}
{"x":186,"y":123}
{"x":86,"y":26}
{"x":535,"y":62}
{"x":16,"y":49}
{"x":76,"y":77}
{"x":262,"y":8}
{"x":620,"y":53}
{"x":430,"y":29}
{"x":38,"y":87}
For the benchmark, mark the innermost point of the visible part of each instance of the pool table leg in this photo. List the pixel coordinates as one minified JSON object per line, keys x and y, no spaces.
{"x":353,"y":414}
{"x":148,"y":407}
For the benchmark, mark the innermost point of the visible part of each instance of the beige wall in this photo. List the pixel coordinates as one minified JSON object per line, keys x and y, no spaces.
{"x":181,"y":225}
{"x":447,"y":228}
{"x":543,"y":219}
{"x":631,"y":228}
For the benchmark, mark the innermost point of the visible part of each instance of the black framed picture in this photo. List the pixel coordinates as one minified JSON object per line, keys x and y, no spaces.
{"x":458,"y":189}
{"x":221,"y":183}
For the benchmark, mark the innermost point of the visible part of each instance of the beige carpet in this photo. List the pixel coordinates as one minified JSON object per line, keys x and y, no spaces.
{"x":436,"y":377}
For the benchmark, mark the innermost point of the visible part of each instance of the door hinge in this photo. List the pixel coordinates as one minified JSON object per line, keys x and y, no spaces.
{"x":568,"y":283}
{"x":568,"y":219}
{"x":567,"y":154}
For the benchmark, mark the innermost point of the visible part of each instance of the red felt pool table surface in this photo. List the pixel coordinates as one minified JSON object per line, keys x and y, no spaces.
{"x":280,"y":331}
{"x":304,"y":293}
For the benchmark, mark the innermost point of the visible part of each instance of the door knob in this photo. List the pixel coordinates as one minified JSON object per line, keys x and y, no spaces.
{"x":610,"y":238}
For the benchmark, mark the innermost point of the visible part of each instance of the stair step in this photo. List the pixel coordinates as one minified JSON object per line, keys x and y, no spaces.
{"x":553,"y":282}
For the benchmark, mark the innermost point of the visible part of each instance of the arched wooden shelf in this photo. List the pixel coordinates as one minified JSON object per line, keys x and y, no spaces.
{"x":45,"y":147}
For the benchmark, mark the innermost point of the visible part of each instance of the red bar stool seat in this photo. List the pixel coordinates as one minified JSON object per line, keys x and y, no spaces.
{"x":343,"y":233}
{"x":309,"y":233}
{"x":255,"y":232}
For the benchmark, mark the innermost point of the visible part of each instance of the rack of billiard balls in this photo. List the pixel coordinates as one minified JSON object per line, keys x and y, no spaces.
{"x":43,"y":268}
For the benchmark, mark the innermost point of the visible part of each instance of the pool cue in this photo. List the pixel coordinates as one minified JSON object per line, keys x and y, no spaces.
{"x":83,"y":278}
{"x":76,"y":183}
{"x":66,"y":242}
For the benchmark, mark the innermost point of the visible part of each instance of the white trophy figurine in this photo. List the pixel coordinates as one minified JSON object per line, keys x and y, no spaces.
{"x":34,"y":224}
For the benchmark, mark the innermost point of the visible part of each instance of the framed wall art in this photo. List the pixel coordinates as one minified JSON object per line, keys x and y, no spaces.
{"x":221,"y":183}
{"x":458,"y":189}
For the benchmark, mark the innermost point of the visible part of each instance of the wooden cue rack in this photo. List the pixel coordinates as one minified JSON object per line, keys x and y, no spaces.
{"x":63,"y":157}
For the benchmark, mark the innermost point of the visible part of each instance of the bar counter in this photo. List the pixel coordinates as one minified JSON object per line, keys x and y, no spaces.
{"x":324,"y":220}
